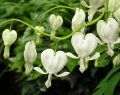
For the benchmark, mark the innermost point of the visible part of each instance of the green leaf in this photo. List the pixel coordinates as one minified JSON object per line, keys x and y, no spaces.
{"x":103,"y":61}
{"x":72,"y":63}
{"x":108,"y":84}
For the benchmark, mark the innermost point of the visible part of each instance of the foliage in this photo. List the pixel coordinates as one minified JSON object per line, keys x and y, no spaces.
{"x":36,"y":12}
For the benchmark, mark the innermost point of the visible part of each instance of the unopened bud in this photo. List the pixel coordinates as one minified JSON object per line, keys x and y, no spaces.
{"x":55,"y":22}
{"x":30,"y":55}
{"x":39,"y":29}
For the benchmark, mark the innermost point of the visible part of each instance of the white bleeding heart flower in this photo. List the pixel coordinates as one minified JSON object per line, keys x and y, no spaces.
{"x":55,"y":23}
{"x":9,"y":37}
{"x":53,"y":62}
{"x":108,"y":32}
{"x":78,"y":20}
{"x":93,"y":7}
{"x":84,"y":46}
{"x":30,"y":55}
{"x":113,"y":5}
{"x":117,"y":14}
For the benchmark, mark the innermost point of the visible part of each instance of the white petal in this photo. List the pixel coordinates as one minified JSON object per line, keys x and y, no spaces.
{"x":82,"y":66}
{"x":92,"y":42}
{"x":78,"y":20}
{"x":53,"y":62}
{"x":48,"y":82}
{"x":9,"y":37}
{"x":91,"y":13}
{"x":96,"y":56}
{"x":59,"y":21}
{"x":53,"y":21}
{"x":75,"y":40}
{"x":30,"y":52}
{"x":61,"y":60}
{"x":39,"y":70}
{"x":85,"y":4}
{"x":84,"y":45}
{"x":100,"y":25}
{"x":96,"y":3}
{"x":110,"y":51}
{"x":71,"y":55}
{"x":46,"y":55}
{"x":117,"y":41}
{"x":63,"y":74}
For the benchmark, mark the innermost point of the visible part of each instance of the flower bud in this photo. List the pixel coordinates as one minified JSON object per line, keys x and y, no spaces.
{"x":78,"y":20}
{"x":55,"y":22}
{"x":39,"y":29}
{"x":9,"y":38}
{"x":117,"y":14}
{"x":30,"y":55}
{"x":116,"y":60}
{"x":113,"y":5}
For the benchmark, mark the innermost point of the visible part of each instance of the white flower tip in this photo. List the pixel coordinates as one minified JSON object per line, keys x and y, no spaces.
{"x":48,"y":83}
{"x":39,"y":70}
{"x":96,"y":56}
{"x":110,"y":53}
{"x":82,"y":69}
{"x":71,"y":55}
{"x":28,"y":68}
{"x":63,"y":74}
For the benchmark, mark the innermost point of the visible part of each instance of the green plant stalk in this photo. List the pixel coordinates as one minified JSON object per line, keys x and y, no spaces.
{"x":55,"y":37}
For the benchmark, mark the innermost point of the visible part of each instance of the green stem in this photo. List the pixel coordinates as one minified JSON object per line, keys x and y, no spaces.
{"x":17,"y":20}
{"x":59,"y":6}
{"x":55,"y":37}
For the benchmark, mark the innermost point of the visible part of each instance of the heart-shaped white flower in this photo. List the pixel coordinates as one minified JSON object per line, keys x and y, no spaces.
{"x":108,"y":32}
{"x":93,"y":7}
{"x":113,"y":5}
{"x":55,"y":23}
{"x":53,"y":62}
{"x":84,"y":46}
{"x":9,"y":37}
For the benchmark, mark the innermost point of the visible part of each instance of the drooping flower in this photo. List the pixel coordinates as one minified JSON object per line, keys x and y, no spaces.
{"x":113,"y":5}
{"x":114,"y":9}
{"x":93,"y":7}
{"x":9,"y":37}
{"x":84,"y":46}
{"x":117,"y":14}
{"x":53,"y":62}
{"x":78,"y":20}
{"x":108,"y":32}
{"x":55,"y":23}
{"x":30,"y":55}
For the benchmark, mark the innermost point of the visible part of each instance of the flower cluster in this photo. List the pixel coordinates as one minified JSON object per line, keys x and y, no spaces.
{"x":84,"y":44}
